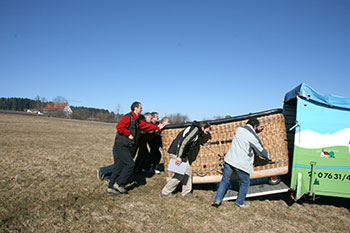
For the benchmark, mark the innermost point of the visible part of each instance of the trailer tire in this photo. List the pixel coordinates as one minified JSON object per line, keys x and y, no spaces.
{"x":273,"y":180}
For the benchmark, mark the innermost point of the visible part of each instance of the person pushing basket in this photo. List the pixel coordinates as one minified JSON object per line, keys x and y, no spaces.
{"x":240,"y":157}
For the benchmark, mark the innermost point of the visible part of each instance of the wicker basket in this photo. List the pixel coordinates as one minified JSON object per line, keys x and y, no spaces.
{"x":208,"y":166}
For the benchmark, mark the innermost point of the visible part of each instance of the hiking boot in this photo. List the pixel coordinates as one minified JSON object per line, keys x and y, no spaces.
{"x":120,"y":189}
{"x":100,"y":176}
{"x":242,"y":206}
{"x":167,"y":195}
{"x":112,"y":191}
{"x":191,"y":195}
{"x":216,"y":204}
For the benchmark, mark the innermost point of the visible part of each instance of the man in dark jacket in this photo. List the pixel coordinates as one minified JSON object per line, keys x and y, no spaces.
{"x":155,"y":144}
{"x":124,"y":144}
{"x":181,"y":150}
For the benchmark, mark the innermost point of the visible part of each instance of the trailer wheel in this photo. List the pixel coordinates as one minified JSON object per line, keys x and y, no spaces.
{"x":274,"y":180}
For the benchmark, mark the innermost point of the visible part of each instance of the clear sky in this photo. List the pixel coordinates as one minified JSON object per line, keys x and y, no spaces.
{"x":201,"y":58}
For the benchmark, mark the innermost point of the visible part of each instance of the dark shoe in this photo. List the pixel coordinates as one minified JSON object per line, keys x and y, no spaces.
{"x":242,"y":206}
{"x":120,"y":189}
{"x":190,"y":195}
{"x":100,"y":176}
{"x":216,"y":204}
{"x":112,"y":191}
{"x":167,"y":195}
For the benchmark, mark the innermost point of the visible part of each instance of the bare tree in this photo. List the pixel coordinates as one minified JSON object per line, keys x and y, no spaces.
{"x":117,"y":109}
{"x":118,"y":115}
{"x":59,"y":99}
{"x":40,"y":102}
{"x":43,"y":100}
{"x":178,"y":118}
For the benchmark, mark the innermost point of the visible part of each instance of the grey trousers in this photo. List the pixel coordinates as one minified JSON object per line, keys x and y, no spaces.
{"x":186,"y":180}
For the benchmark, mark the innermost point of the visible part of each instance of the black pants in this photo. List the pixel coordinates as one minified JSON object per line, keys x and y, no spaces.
{"x":155,"y":144}
{"x":143,"y":160}
{"x":123,"y":167}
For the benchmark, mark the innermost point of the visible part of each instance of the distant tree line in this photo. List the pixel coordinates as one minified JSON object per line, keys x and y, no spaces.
{"x":20,"y":104}
{"x":84,"y":113}
{"x":81,"y":113}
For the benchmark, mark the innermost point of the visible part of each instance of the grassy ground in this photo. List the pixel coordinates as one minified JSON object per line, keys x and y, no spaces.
{"x":48,"y":184}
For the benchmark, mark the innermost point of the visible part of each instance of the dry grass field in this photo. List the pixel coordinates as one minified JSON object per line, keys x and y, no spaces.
{"x":48,"y":184}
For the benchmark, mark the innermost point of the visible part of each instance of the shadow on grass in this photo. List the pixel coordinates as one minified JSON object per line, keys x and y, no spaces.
{"x":134,"y":181}
{"x":276,"y":197}
{"x":326,"y":201}
{"x":319,"y":200}
{"x":272,"y":197}
{"x":205,"y":187}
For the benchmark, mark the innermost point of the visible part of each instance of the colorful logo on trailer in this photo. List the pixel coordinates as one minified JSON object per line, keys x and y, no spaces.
{"x":325,"y":154}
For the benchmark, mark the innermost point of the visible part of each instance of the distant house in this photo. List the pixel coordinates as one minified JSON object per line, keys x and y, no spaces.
{"x":58,"y":107}
{"x":34,"y":112}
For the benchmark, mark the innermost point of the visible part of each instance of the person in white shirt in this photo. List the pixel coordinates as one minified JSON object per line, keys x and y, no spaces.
{"x":240,"y":157}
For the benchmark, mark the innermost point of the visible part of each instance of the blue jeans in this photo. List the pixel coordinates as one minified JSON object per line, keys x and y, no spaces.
{"x":244,"y":182}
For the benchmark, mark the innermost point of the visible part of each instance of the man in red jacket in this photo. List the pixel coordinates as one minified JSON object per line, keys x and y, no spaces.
{"x":127,"y":129}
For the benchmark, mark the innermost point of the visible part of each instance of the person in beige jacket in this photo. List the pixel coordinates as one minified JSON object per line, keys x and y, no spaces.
{"x":240,"y":158}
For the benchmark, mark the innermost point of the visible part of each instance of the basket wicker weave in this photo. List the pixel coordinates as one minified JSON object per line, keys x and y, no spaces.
{"x":207,"y":167}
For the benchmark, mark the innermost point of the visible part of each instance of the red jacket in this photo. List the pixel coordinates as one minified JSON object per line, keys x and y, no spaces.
{"x":123,"y":125}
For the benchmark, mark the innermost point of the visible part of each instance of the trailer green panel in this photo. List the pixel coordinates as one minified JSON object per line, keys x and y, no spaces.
{"x":320,"y":150}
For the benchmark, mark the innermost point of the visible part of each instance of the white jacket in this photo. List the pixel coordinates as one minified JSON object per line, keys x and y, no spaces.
{"x":241,"y":152}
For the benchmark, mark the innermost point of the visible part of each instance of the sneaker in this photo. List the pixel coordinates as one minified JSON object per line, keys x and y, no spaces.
{"x":112,"y":191}
{"x":100,"y":176}
{"x":120,"y":189}
{"x":167,"y":195}
{"x":190,"y":195}
{"x":242,"y":206}
{"x":216,"y":204}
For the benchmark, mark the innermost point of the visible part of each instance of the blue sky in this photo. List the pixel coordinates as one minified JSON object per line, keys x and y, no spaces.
{"x":200,"y":58}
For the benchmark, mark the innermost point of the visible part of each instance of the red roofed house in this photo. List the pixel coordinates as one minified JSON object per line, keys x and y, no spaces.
{"x":64,"y":107}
